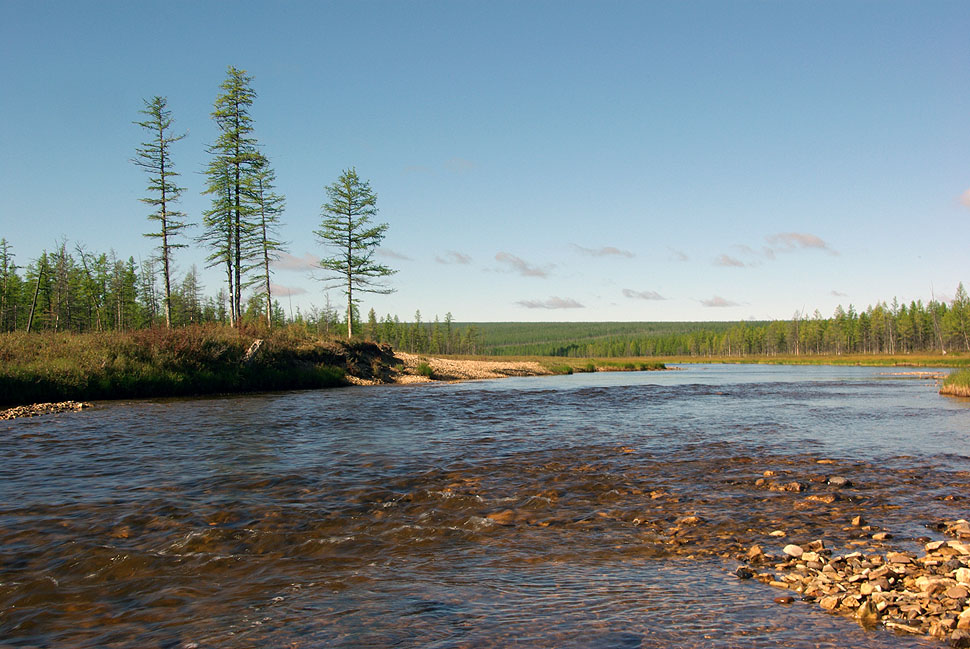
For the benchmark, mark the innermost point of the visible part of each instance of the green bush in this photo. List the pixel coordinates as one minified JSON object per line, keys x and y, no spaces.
{"x":561,"y":369}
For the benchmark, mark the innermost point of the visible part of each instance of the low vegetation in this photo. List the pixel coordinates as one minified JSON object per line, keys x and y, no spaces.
{"x":957,"y":384}
{"x":174,"y":362}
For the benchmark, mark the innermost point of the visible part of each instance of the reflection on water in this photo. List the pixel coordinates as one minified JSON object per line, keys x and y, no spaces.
{"x":597,"y":510}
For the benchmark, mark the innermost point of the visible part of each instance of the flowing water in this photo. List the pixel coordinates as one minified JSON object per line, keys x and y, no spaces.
{"x":594,"y":510}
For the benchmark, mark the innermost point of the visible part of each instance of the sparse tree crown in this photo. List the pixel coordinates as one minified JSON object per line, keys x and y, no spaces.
{"x":348,"y":230}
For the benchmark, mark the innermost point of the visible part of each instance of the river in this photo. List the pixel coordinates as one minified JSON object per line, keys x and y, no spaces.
{"x":588,"y":511}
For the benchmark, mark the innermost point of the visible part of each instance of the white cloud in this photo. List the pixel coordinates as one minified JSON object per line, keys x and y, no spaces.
{"x":727,"y":261}
{"x":285,"y":291}
{"x":551,"y":303}
{"x":391,"y":254}
{"x":796,"y":240}
{"x":718,"y":301}
{"x":643,"y":295}
{"x":677,"y":255}
{"x":287,"y":261}
{"x":605,"y":251}
{"x":453,"y":257}
{"x":521,"y":266}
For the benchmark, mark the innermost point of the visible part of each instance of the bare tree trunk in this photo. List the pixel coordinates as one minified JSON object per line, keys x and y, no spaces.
{"x":33,"y":303}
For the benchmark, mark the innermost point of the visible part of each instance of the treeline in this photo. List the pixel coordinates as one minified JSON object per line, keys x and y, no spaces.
{"x":418,"y":337}
{"x":74,"y":290}
{"x":884,"y":328}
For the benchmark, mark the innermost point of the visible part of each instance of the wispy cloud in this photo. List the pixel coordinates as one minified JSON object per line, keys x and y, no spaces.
{"x":728,"y":261}
{"x":453,"y":257}
{"x":287,"y":261}
{"x":677,"y":255}
{"x":391,"y":254}
{"x":785,"y":241}
{"x":551,"y":303}
{"x":285,"y":291}
{"x":835,"y":293}
{"x":521,"y":266}
{"x":460,"y":165}
{"x":965,"y":198}
{"x":605,"y":251}
{"x":643,"y":295}
{"x":718,"y":302}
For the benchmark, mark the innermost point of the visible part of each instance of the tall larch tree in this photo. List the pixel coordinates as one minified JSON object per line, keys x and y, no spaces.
{"x":265,"y":239}
{"x":348,"y":230}
{"x":231,"y":179}
{"x":154,"y":156}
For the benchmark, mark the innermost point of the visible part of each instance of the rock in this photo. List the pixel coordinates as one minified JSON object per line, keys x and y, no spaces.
{"x":899,"y":557}
{"x":793,"y":550}
{"x":506,"y":517}
{"x":777,"y":533}
{"x":744,"y":573}
{"x":957,"y":592}
{"x":784,"y":600}
{"x":867,"y":613}
{"x":858,"y":521}
{"x":755,"y":554}
{"x":959,"y":546}
{"x":830,"y":602}
{"x":960,"y":638}
{"x":838,"y":481}
{"x":689,"y":520}
{"x":828,"y":499}
{"x":963,"y":620}
{"x":962,"y":575}
{"x":881,"y":536}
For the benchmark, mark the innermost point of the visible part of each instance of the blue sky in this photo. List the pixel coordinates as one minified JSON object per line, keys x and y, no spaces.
{"x":535,"y":161}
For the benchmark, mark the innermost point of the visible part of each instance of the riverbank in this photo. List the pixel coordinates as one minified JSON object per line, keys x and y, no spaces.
{"x":46,"y":368}
{"x":43,"y":368}
{"x":54,"y":367}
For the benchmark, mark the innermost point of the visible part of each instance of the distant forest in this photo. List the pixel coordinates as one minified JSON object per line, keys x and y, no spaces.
{"x":72,"y":289}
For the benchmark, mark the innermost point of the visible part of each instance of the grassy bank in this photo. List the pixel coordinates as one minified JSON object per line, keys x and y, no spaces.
{"x":41,"y":367}
{"x":957,"y":384}
{"x":869,"y":360}
{"x":574,"y":365}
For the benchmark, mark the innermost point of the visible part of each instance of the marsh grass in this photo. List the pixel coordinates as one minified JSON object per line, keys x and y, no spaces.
{"x":957,"y":384}
{"x":40,"y":367}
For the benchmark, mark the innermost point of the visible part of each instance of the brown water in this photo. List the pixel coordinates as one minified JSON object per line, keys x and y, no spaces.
{"x":601,"y":510}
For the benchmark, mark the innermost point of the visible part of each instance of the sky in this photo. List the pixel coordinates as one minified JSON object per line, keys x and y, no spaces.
{"x":534,"y":160}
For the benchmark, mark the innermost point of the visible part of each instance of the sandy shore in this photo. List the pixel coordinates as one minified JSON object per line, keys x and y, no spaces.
{"x":447,"y":369}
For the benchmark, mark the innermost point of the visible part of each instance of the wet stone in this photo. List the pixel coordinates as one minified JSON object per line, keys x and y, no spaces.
{"x":793,"y":550}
